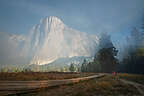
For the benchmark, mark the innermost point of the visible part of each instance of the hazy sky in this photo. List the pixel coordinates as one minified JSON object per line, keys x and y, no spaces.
{"x":116,"y":17}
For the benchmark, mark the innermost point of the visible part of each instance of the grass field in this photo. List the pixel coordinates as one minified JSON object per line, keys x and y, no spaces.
{"x":132,"y":77}
{"x":105,"y":86}
{"x":41,"y":76}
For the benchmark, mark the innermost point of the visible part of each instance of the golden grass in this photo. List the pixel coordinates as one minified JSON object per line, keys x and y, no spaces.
{"x":105,"y":86}
{"x":41,"y":75}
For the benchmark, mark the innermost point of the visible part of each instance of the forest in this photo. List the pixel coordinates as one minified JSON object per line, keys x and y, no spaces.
{"x":107,"y":61}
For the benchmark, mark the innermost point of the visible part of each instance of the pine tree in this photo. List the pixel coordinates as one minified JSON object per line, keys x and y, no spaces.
{"x":133,"y":60}
{"x":84,"y":66}
{"x":72,"y":68}
{"x":106,"y":54}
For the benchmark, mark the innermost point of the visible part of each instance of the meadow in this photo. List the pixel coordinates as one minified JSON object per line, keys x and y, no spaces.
{"x":26,"y":76}
{"x":132,"y":77}
{"x":105,"y":86}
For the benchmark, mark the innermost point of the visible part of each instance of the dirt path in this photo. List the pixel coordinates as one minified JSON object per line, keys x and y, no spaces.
{"x":12,"y":87}
{"x":139,"y":87}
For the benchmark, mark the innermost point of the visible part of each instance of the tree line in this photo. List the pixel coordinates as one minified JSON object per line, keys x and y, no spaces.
{"x":105,"y":60}
{"x":133,"y":57}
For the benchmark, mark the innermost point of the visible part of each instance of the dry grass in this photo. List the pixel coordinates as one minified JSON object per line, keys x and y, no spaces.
{"x":132,"y":77}
{"x":41,"y":75}
{"x":105,"y":86}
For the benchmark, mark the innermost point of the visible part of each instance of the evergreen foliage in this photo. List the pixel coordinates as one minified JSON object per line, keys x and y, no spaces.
{"x":133,"y":61}
{"x":72,"y":68}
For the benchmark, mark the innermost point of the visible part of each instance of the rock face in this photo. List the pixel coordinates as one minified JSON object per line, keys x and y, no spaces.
{"x":46,"y":42}
{"x":52,"y":39}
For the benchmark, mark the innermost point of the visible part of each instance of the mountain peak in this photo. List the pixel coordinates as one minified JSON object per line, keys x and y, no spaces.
{"x":54,"y":18}
{"x":52,"y":39}
{"x":51,"y":19}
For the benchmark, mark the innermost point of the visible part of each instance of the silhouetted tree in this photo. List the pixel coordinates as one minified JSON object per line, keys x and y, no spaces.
{"x":84,"y":66}
{"x":72,"y":68}
{"x":106,"y":54}
{"x":93,"y":66}
{"x":106,"y":57}
{"x":133,"y":60}
{"x":90,"y":67}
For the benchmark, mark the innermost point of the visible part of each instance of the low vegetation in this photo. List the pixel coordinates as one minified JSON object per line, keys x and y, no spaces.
{"x":105,"y":86}
{"x":41,"y":75}
{"x":133,"y":77}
